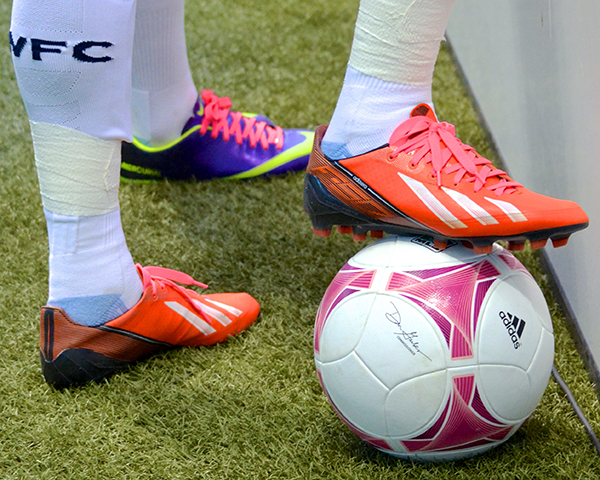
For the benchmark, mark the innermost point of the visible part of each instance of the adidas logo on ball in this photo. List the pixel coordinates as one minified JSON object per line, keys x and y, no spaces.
{"x":514,"y":326}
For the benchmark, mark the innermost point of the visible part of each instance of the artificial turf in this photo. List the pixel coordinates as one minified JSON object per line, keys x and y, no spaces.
{"x":251,"y":408}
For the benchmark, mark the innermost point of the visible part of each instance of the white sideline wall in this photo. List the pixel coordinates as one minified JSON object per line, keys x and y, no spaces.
{"x":533,"y":68}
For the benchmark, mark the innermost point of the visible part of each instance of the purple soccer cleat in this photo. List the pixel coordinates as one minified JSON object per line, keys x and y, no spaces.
{"x":219,"y":143}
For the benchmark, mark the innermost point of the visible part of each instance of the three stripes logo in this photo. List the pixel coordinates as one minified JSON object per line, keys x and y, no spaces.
{"x":514,"y":327}
{"x":478,"y":212}
{"x":201,"y":324}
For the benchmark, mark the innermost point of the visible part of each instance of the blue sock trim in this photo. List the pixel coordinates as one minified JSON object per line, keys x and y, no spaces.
{"x":92,"y":311}
{"x":335,"y":150}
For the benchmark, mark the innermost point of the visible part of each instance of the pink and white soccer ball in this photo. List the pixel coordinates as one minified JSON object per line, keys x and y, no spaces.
{"x":433,"y":355}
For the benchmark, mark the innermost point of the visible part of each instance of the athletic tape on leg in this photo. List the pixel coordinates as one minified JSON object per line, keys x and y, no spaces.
{"x":78,"y":174}
{"x":398,"y":40}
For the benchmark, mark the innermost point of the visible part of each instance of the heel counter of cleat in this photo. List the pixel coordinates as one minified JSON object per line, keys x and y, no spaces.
{"x":78,"y":367}
{"x":158,"y":164}
{"x":325,"y":210}
{"x":74,"y":354}
{"x":316,"y":158}
{"x":135,"y":164}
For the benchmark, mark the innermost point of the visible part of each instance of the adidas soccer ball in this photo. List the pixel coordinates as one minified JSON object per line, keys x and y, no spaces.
{"x":433,"y":355}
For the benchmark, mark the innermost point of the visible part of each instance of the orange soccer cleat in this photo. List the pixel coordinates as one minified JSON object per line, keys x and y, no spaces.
{"x":426,"y":181}
{"x":166,"y":316}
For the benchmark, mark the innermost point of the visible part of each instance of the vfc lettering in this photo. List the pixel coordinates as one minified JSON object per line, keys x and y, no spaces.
{"x":81,"y":51}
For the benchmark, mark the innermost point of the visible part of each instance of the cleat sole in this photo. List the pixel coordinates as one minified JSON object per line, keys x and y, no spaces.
{"x":325,"y":210}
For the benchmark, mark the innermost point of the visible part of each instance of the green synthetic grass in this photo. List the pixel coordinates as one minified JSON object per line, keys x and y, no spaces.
{"x":251,"y":408}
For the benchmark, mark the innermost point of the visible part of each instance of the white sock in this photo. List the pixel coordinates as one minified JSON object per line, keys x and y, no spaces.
{"x":164,"y":93}
{"x":367,"y":112}
{"x":390,"y":71}
{"x":92,"y":275}
{"x":73,"y":63}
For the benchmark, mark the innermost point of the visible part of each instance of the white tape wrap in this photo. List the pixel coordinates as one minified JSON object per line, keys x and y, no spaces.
{"x":78,"y":174}
{"x":398,"y":40}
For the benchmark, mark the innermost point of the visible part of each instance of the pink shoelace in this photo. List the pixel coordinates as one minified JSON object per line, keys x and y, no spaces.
{"x":159,"y":277}
{"x":423,"y":135}
{"x":216,"y":113}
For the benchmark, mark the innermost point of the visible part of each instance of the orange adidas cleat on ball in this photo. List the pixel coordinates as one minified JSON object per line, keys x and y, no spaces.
{"x":166,"y":316}
{"x":426,"y":181}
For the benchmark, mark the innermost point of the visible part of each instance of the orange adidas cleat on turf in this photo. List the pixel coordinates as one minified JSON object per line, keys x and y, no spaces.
{"x":426,"y":181}
{"x":166,"y":316}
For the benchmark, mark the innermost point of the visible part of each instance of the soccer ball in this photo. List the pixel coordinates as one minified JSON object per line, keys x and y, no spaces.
{"x":433,"y":355}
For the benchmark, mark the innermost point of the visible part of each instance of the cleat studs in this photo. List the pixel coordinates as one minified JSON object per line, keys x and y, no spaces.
{"x":535,"y":244}
{"x":344,"y":229}
{"x":440,"y":244}
{"x":516,"y":246}
{"x":359,"y":237}
{"x":322,"y":233}
{"x":482,"y":249}
{"x":377,"y":233}
{"x":467,"y":244}
{"x":560,"y":242}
